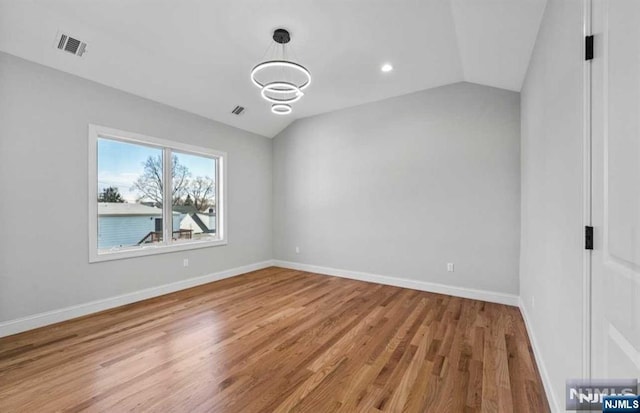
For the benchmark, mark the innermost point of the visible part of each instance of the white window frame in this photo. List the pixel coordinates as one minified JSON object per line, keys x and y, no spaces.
{"x":167,"y":147}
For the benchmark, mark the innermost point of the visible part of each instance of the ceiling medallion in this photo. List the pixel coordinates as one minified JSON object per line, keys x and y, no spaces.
{"x":281,"y":80}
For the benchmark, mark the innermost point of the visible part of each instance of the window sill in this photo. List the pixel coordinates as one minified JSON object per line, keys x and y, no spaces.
{"x":95,"y":256}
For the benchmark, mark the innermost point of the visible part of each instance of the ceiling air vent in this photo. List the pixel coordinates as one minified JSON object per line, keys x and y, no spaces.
{"x":237,"y":110}
{"x":71,"y":44}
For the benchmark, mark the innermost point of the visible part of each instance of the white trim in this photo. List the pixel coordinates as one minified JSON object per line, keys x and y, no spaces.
{"x":153,"y":141}
{"x":483,"y":295}
{"x":92,"y":190}
{"x":167,"y":196}
{"x":55,"y":316}
{"x":221,"y":198}
{"x":146,"y":250}
{"x":587,"y":197}
{"x":544,"y":374}
{"x":167,"y":147}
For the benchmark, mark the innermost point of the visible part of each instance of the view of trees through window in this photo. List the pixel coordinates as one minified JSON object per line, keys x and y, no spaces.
{"x":131,"y":195}
{"x":194,"y":195}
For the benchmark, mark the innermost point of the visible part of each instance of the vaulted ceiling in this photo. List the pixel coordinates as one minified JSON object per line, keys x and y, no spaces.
{"x":196,"y":54}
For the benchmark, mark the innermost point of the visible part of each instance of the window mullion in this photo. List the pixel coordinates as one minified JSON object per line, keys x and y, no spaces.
{"x":167,"y":201}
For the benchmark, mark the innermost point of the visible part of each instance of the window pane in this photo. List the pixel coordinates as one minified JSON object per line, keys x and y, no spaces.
{"x":129,"y":195}
{"x":194,"y":197}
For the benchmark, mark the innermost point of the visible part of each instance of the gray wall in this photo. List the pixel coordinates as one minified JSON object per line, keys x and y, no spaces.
{"x":403,"y":186}
{"x":44,"y":265}
{"x":552,"y":197}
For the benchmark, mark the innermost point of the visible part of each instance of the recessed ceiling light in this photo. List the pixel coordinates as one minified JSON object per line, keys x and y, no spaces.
{"x":386,"y":67}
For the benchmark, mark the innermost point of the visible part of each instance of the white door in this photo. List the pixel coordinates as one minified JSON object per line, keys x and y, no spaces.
{"x":615,"y":328}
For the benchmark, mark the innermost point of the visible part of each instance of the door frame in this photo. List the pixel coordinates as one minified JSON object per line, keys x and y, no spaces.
{"x":587,"y":197}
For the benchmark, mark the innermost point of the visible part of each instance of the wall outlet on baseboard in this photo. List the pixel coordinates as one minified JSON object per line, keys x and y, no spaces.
{"x":297,"y":250}
{"x":450,"y":267}
{"x":185,"y":262}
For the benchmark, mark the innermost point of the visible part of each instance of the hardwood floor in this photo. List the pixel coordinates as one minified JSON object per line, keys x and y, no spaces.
{"x":278,"y":340}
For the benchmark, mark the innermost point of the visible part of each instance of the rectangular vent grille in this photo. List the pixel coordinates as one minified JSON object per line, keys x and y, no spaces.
{"x":71,"y":45}
{"x":237,"y":110}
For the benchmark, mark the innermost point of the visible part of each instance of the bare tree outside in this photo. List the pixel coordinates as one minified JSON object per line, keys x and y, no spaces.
{"x":149,"y":184}
{"x":199,"y":192}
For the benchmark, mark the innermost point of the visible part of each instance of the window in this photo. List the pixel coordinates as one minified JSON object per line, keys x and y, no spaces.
{"x":149,"y":195}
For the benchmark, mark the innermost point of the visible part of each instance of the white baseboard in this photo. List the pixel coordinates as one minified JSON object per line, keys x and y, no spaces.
{"x":19,"y":325}
{"x":491,"y":296}
{"x":544,"y":375}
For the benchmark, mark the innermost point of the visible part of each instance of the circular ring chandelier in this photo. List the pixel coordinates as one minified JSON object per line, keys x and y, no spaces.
{"x":280,"y":80}
{"x":281,"y":109}
{"x":280,"y":64}
{"x":281,"y":88}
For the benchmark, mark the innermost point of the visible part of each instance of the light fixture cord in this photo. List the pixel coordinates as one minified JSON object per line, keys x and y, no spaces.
{"x":269,"y":47}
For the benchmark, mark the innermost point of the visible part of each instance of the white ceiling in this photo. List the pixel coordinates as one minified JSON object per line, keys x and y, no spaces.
{"x":196,"y":54}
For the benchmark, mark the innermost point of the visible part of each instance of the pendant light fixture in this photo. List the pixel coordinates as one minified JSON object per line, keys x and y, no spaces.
{"x":280,"y":80}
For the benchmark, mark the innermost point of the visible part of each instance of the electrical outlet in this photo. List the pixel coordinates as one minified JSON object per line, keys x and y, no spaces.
{"x":450,"y":267}
{"x":185,"y":262}
{"x":297,"y":250}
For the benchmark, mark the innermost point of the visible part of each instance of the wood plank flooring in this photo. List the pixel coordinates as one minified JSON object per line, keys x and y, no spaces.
{"x":278,"y":340}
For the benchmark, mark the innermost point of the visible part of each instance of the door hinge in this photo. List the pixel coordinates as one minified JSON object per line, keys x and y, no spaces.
{"x":588,"y":238}
{"x":588,"y":48}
